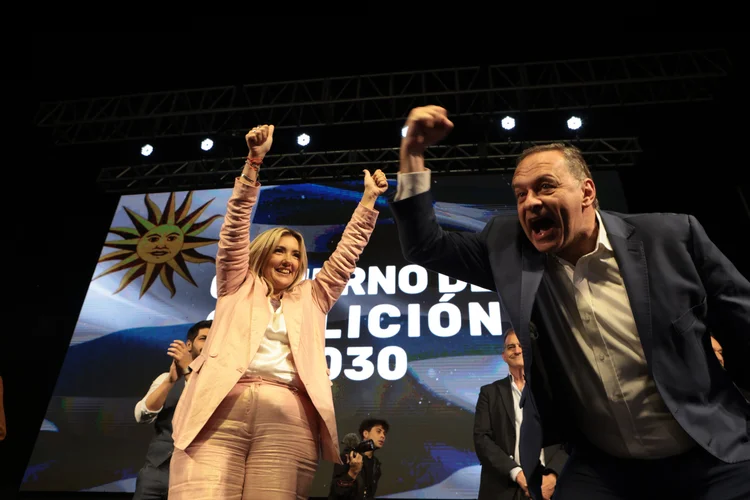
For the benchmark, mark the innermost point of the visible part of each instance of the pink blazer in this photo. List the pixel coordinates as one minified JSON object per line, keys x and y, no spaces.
{"x":242,"y":315}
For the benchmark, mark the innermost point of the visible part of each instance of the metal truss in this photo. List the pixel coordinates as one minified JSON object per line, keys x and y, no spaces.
{"x":480,"y":90}
{"x":340,"y":165}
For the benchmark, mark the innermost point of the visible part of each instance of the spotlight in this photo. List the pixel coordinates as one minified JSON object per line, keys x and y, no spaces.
{"x":574,"y":123}
{"x":303,"y":139}
{"x":207,"y":144}
{"x":147,"y":150}
{"x":508,"y":123}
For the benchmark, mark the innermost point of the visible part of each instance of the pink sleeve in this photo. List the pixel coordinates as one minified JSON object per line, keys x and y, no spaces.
{"x":331,"y":280}
{"x":234,"y":239}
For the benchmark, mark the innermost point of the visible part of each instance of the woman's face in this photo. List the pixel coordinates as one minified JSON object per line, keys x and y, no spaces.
{"x":283,"y":263}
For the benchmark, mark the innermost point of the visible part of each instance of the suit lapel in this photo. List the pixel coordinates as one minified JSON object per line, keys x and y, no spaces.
{"x":506,"y":396}
{"x":631,"y":258}
{"x":260,"y":317}
{"x":532,"y":271}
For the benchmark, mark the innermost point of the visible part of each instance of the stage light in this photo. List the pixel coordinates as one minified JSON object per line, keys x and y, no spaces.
{"x":147,"y":150}
{"x":574,"y":123}
{"x":207,"y":144}
{"x":303,"y":139}
{"x":508,"y":123}
{"x":404,"y":131}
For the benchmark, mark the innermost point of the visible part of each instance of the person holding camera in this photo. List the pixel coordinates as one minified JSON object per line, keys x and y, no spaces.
{"x":357,"y":478}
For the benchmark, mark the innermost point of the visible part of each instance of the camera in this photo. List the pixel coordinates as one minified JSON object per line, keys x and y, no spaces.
{"x":365,"y":446}
{"x":361,"y":447}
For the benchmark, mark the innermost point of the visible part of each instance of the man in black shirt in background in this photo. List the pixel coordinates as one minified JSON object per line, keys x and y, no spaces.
{"x":358,"y":479}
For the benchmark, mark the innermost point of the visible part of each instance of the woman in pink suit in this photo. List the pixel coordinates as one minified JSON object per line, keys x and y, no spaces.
{"x":258,"y":406}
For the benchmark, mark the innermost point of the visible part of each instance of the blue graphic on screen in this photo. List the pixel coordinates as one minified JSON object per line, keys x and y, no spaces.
{"x":403,"y":344}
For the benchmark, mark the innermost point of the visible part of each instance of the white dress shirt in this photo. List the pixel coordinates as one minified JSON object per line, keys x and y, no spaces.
{"x":274,"y":360}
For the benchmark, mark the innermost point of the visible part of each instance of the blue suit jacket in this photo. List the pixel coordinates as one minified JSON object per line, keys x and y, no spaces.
{"x":680,"y":287}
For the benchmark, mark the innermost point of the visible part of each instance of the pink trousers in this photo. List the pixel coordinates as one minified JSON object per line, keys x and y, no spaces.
{"x":261,"y":443}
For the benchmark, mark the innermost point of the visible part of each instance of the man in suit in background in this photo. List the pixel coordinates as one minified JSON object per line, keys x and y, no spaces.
{"x":613,"y":313}
{"x":158,"y":406}
{"x":497,"y":430}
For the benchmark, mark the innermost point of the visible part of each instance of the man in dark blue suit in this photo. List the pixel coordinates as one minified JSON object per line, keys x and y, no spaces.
{"x":612,"y":312}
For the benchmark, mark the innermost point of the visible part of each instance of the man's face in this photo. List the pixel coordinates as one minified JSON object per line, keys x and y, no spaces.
{"x":718,"y":350}
{"x":377,"y":434}
{"x":196,"y":346}
{"x":512,"y":353}
{"x":551,"y":201}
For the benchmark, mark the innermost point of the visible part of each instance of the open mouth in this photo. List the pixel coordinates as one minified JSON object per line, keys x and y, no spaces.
{"x":159,"y":253}
{"x":541,"y":226}
{"x":284,"y":271}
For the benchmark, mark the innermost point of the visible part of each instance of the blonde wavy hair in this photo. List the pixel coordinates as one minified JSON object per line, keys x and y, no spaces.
{"x":262,"y":246}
